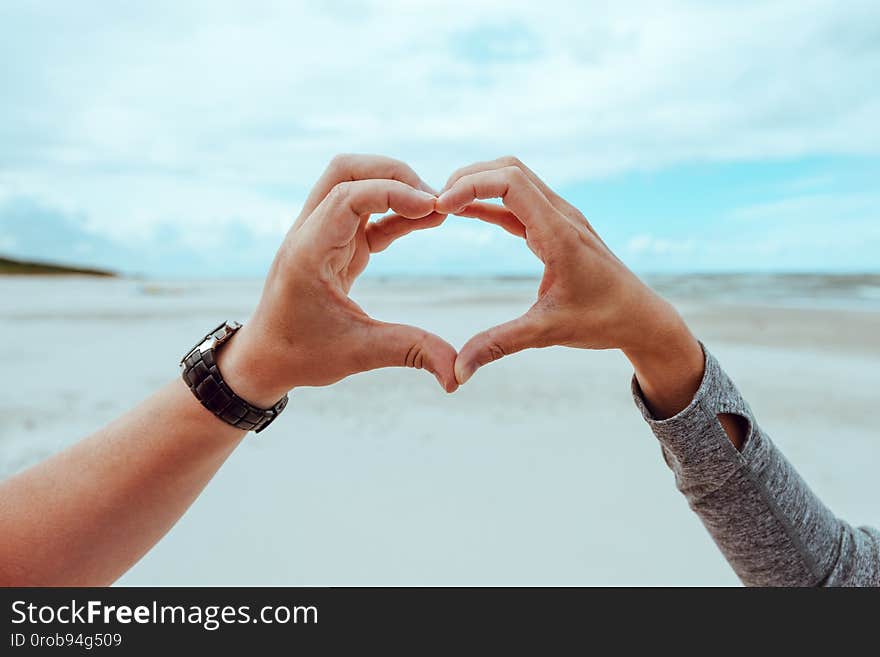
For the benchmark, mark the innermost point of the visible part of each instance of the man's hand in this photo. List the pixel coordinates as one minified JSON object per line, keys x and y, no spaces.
{"x":306,"y":330}
{"x":587,"y":297}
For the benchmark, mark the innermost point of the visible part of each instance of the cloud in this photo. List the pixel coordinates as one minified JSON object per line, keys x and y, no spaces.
{"x":815,"y":209}
{"x":31,"y":230}
{"x":649,"y":244}
{"x":208,"y":115}
{"x":842,"y":230}
{"x":808,"y":232}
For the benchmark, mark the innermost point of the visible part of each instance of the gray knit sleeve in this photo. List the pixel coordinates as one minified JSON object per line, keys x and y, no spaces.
{"x":770,"y":526}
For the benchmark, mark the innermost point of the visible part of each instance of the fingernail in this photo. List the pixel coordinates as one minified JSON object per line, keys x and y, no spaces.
{"x":447,"y":387}
{"x":464,"y":372}
{"x":439,"y":204}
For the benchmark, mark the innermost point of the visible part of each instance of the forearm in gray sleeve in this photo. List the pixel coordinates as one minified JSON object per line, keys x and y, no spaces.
{"x":771,"y":527}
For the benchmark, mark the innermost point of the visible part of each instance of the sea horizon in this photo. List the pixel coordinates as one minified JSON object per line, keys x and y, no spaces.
{"x":811,"y":290}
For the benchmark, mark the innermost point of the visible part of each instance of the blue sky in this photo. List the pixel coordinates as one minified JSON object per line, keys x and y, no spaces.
{"x":179,"y":139}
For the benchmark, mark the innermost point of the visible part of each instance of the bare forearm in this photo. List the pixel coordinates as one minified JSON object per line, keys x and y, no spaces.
{"x":86,"y":515}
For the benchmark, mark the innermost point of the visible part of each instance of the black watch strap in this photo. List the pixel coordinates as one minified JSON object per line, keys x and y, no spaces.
{"x":201,"y":374}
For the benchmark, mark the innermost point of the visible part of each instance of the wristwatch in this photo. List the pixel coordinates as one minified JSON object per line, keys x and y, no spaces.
{"x":202,"y":375}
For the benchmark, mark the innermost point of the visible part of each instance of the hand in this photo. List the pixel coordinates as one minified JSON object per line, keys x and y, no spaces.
{"x":306,"y":330}
{"x":587,"y":297}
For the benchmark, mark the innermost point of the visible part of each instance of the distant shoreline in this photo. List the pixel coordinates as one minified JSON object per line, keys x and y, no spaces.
{"x":10,"y":267}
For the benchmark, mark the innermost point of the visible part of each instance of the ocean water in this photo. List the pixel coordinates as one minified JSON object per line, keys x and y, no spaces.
{"x":841,"y":291}
{"x":26,"y":298}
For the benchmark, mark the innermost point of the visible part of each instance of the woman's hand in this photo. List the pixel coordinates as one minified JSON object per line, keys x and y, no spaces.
{"x":587,"y":297}
{"x":306,"y":330}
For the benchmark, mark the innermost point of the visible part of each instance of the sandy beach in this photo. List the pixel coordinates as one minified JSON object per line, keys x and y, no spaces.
{"x":538,"y":471}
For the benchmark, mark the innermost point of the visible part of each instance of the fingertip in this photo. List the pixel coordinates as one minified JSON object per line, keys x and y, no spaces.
{"x":429,"y":207}
{"x":441,"y":361}
{"x":463,"y":371}
{"x":444,"y":204}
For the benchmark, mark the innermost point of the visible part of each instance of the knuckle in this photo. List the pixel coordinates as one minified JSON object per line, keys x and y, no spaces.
{"x":340,"y":161}
{"x":510,"y":161}
{"x":514,"y":174}
{"x":340,"y":193}
{"x":458,"y":174}
{"x":464,"y":179}
{"x":401,"y":171}
{"x":344,"y":188}
{"x":415,"y":355}
{"x":494,"y":351}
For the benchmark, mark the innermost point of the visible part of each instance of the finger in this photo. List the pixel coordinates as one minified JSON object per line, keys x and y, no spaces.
{"x":561,"y":205}
{"x":515,"y":190}
{"x":494,"y":214}
{"x":340,"y":213}
{"x":500,"y":163}
{"x":400,"y":345}
{"x":382,"y":232}
{"x":350,"y":167}
{"x":521,"y":333}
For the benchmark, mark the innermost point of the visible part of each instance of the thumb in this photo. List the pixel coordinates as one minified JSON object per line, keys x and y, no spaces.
{"x":496,"y":342}
{"x":400,"y":345}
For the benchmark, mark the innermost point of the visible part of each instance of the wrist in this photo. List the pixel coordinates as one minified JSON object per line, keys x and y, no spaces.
{"x":668,"y":362}
{"x":251,"y":370}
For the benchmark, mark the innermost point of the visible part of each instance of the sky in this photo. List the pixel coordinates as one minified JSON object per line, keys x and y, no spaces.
{"x":180,"y":139}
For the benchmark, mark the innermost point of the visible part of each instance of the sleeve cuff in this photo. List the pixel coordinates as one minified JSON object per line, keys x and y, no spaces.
{"x":694,"y":443}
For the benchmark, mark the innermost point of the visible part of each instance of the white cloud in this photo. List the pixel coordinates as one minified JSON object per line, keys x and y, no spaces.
{"x":818,"y":232}
{"x":198,"y":114}
{"x":813,"y":209}
{"x":644,"y":244}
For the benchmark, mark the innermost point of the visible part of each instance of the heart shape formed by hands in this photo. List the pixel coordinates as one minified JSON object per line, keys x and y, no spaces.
{"x":307,"y":331}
